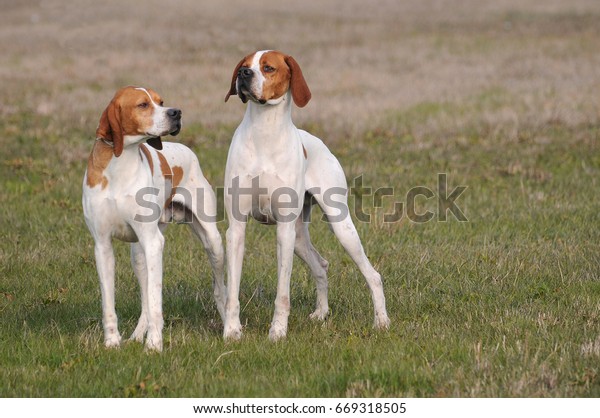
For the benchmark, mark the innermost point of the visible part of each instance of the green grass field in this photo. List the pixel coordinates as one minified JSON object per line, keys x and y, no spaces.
{"x":504,"y":305}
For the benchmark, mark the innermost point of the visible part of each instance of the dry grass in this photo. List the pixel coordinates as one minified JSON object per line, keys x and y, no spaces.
{"x":362,"y":60}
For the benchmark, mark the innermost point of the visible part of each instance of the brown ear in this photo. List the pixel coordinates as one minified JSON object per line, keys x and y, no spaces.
{"x":110,"y":129}
{"x":103,"y":131}
{"x":232,"y":88}
{"x":300,"y":91}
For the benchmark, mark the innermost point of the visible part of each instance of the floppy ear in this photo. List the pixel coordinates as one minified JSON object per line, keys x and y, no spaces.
{"x":155,"y":142}
{"x":300,"y":91}
{"x":110,"y":129}
{"x":232,"y":89}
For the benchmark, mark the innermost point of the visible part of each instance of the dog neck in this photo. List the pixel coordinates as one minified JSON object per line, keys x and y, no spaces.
{"x":269,"y":119}
{"x":130,"y":160}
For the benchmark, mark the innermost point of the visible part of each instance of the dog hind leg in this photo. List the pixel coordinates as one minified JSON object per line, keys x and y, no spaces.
{"x":317,"y":265}
{"x":345,"y":231}
{"x":209,"y":235}
{"x":138,"y":262}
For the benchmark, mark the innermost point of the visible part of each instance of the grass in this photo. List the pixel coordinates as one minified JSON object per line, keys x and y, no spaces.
{"x":506,"y":304}
{"x":503,"y":305}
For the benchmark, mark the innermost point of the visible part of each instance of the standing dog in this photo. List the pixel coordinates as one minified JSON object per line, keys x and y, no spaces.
{"x":124,"y":176}
{"x":273,"y":172}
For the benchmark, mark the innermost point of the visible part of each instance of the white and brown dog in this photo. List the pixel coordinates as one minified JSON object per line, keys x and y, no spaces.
{"x":273,"y":173}
{"x":131,"y":191}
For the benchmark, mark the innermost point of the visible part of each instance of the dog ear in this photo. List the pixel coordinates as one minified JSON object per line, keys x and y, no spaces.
{"x":110,"y":128}
{"x":155,"y":142}
{"x":233,"y":89}
{"x":300,"y":91}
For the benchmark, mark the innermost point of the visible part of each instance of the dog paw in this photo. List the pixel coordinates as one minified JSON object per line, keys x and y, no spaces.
{"x":277,"y":333}
{"x":232,"y":334}
{"x":319,"y":314}
{"x":114,"y":341}
{"x":154,"y":344}
{"x":382,"y":322}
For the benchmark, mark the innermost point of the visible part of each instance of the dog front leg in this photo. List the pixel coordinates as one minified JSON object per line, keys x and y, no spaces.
{"x":286,"y":238}
{"x":236,"y":234}
{"x":153,"y":251}
{"x":105,"y":264}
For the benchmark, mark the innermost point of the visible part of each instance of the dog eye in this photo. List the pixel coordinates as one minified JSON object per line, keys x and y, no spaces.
{"x":161,"y":103}
{"x":143,"y":105}
{"x":268,"y":69}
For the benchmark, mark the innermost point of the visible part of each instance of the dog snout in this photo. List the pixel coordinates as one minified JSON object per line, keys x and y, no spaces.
{"x":245,"y":73}
{"x":174,"y":113}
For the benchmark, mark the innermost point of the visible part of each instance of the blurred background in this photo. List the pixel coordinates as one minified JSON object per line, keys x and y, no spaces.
{"x":363,"y":60}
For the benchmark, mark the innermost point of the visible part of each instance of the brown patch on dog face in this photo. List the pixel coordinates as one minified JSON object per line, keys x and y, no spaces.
{"x":130,"y":112}
{"x":137,"y":110}
{"x":280,"y":72}
{"x":277,"y":75}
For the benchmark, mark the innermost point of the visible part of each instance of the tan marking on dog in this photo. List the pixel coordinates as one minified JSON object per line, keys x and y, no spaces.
{"x":176,"y":179}
{"x":165,"y":168}
{"x":146,"y":152}
{"x":171,"y":174}
{"x":97,"y":162}
{"x":177,"y":175}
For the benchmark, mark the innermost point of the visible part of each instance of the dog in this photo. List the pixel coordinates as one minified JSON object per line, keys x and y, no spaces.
{"x":274,"y":173}
{"x":131,"y":172}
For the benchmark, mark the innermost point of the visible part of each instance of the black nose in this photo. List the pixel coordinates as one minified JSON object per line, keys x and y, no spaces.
{"x":174,"y":113}
{"x":245,"y":72}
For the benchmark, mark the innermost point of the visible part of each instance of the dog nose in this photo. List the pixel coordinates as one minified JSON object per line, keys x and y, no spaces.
{"x":245,"y":72}
{"x":174,"y":113}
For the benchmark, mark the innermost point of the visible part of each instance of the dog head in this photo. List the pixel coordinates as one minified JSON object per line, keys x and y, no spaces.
{"x":265,"y":77}
{"x":136,"y":114}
